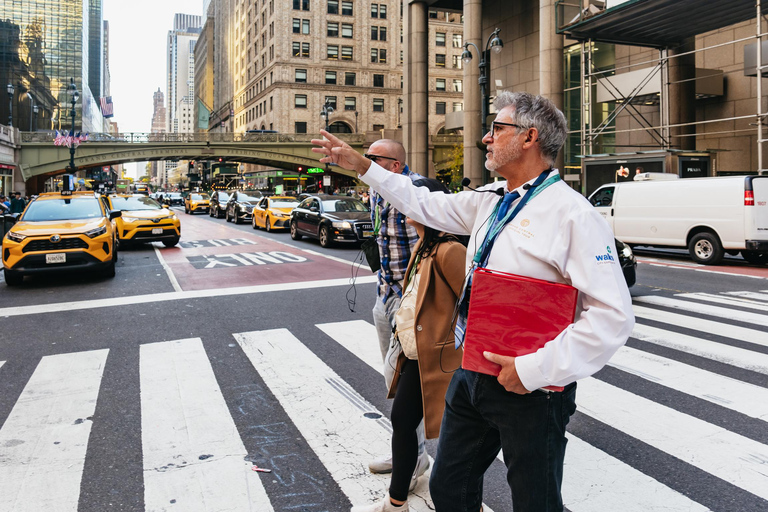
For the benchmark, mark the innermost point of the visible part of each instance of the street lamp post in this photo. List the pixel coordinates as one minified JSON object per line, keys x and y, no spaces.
{"x":356,"y":121}
{"x":494,"y":43}
{"x":326,"y":112}
{"x":9,"y":88}
{"x":35,"y":111}
{"x":31,"y":110}
{"x":72,"y":91}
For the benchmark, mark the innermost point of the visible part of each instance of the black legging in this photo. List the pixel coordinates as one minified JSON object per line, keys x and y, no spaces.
{"x":407,"y":412}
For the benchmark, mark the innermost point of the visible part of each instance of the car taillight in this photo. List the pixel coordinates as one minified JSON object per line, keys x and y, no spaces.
{"x":749,"y":198}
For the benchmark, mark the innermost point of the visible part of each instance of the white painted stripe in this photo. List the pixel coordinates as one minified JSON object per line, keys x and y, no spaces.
{"x":750,"y":295}
{"x":170,"y":296}
{"x":728,"y":456}
{"x":593,"y":481}
{"x":733,"y":394}
{"x":699,"y":324}
{"x":692,"y":267}
{"x":734,"y":356}
{"x":45,"y":438}
{"x":171,"y":277}
{"x":329,"y":414}
{"x":2,"y":363}
{"x":705,"y":309}
{"x":193,"y":455}
{"x":727,"y":301}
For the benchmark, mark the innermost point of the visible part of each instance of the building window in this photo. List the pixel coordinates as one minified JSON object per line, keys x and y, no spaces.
{"x":440,"y":108}
{"x":382,"y":33}
{"x":378,"y":104}
{"x":346,"y":52}
{"x":333,"y":6}
{"x":350,"y":103}
{"x":296,"y":26}
{"x":439,"y":38}
{"x":374,"y":55}
{"x":374,"y":10}
{"x":458,"y":40}
{"x":383,"y":11}
{"x":301,"y":76}
{"x":350,"y":78}
{"x":433,"y":15}
{"x":440,"y":60}
{"x":458,"y":106}
{"x":333,"y":29}
{"x":296,"y":49}
{"x":300,"y":127}
{"x":305,"y":50}
{"x":331,"y":100}
{"x":346,"y":8}
{"x":378,"y":127}
{"x":378,"y":80}
{"x":440,"y":84}
{"x":305,"y":26}
{"x":383,"y":56}
{"x":458,"y":86}
{"x":346,"y":30}
{"x":300,"y":101}
{"x":333,"y":52}
{"x":374,"y":33}
{"x":302,"y":5}
{"x":270,"y":103}
{"x":457,"y":62}
{"x":330,"y":77}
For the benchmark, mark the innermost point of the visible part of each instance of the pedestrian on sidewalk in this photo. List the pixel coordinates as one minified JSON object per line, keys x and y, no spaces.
{"x":555,"y":237}
{"x":18,"y":204}
{"x":435,"y":276}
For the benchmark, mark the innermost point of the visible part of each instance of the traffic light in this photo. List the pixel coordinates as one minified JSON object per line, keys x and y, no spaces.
{"x":220,"y":160}
{"x":301,"y":168}
{"x":190,"y":165}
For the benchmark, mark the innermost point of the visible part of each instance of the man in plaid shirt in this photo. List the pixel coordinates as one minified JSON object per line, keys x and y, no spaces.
{"x":396,"y":240}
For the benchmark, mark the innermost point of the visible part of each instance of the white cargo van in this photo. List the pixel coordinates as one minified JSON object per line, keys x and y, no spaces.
{"x":709,"y":216}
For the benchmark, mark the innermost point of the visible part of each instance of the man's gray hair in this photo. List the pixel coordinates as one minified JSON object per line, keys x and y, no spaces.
{"x":540,"y":113}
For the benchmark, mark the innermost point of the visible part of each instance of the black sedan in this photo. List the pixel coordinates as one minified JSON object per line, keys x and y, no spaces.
{"x":627,"y":261}
{"x":173,"y":199}
{"x":331,"y":219}
{"x":240,"y":205}
{"x":218,"y":204}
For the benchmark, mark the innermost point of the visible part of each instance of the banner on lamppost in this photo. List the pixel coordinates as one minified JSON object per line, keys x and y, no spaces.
{"x":203,"y":115}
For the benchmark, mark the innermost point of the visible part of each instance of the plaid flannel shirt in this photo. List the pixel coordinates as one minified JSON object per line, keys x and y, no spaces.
{"x":396,"y":241}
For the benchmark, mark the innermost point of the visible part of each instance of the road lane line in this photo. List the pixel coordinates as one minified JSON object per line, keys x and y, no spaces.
{"x":171,"y":277}
{"x":45,"y":438}
{"x":706,"y":309}
{"x":343,"y":429}
{"x":591,"y":476}
{"x":742,"y":397}
{"x":728,"y":456}
{"x":702,"y":325}
{"x":734,"y":356}
{"x":750,"y":295}
{"x":727,"y":301}
{"x":193,"y":454}
{"x":183,"y":295}
{"x":2,"y":363}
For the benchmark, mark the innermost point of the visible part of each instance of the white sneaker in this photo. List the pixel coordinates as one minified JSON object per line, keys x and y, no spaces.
{"x":422,"y":464}
{"x":383,"y":506}
{"x":381,"y":465}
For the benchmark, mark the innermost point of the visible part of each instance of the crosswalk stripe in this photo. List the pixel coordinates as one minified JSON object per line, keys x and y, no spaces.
{"x":734,"y":356}
{"x":343,"y":428}
{"x":2,"y":363}
{"x":728,"y":456}
{"x":706,"y":309}
{"x":739,"y":396}
{"x":699,"y":324}
{"x":726,"y":301}
{"x":591,"y":475}
{"x":45,"y":438}
{"x":750,"y":295}
{"x":193,"y":455}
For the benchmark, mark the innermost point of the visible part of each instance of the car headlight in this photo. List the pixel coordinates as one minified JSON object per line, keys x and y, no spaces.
{"x":96,"y":232}
{"x":278,"y":214}
{"x":169,"y":217}
{"x":16,"y":237}
{"x":129,"y":219}
{"x":342,"y":225}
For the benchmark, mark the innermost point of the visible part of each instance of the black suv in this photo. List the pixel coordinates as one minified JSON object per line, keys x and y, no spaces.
{"x":332,"y":219}
{"x":240,"y":205}
{"x":218,"y":204}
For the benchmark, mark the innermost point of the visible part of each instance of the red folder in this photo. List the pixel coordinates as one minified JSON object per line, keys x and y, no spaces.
{"x":513,"y":315}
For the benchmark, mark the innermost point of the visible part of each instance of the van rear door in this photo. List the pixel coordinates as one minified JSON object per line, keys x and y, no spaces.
{"x":756,"y":206}
{"x":602,"y":200}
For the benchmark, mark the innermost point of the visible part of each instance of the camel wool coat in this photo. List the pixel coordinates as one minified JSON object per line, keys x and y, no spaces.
{"x":442,"y":276}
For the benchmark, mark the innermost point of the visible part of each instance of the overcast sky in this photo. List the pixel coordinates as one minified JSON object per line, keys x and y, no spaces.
{"x":137,"y":44}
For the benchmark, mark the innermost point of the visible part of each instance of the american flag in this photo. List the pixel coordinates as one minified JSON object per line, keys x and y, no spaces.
{"x":106,"y":106}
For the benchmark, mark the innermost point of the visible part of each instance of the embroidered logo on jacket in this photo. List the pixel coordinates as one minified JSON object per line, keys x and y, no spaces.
{"x":605,"y":258}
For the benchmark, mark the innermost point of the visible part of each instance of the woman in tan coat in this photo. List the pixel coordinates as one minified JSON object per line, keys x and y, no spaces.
{"x":419,"y":385}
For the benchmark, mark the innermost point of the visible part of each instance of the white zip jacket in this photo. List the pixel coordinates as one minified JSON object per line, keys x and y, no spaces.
{"x":559,"y":237}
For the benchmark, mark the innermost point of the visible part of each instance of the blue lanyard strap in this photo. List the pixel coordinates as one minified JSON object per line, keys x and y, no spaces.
{"x":538,"y":186}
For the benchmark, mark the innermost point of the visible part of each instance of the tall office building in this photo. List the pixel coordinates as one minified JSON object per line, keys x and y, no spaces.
{"x":44,"y":44}
{"x":158,"y":112}
{"x":181,"y":72}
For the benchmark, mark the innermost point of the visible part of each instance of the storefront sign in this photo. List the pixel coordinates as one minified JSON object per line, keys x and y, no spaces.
{"x":315,"y":170}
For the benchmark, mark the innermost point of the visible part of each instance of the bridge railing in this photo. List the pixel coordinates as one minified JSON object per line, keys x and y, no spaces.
{"x":145,"y":138}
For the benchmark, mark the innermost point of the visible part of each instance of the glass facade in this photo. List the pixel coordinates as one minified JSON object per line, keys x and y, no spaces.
{"x":44,"y":43}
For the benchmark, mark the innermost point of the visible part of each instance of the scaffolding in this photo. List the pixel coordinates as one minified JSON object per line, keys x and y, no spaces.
{"x":659,"y":25}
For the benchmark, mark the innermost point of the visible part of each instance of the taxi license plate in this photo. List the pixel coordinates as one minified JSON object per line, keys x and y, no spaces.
{"x":157,"y":231}
{"x":60,"y":257}
{"x":367,"y":233}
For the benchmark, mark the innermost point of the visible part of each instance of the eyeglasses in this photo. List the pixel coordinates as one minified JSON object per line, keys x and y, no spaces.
{"x":373,"y":158}
{"x":494,"y":124}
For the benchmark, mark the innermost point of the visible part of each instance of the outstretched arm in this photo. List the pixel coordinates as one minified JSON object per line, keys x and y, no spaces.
{"x":338,"y":152}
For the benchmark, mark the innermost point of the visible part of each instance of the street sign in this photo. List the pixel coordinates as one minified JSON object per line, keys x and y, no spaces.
{"x":315,"y":170}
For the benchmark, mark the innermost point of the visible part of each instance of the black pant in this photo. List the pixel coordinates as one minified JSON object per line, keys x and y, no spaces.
{"x":407,"y":412}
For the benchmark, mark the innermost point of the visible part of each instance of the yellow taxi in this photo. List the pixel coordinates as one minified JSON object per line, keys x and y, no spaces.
{"x":144,"y":220}
{"x":59,"y":232}
{"x":197,"y":202}
{"x":274,"y":212}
